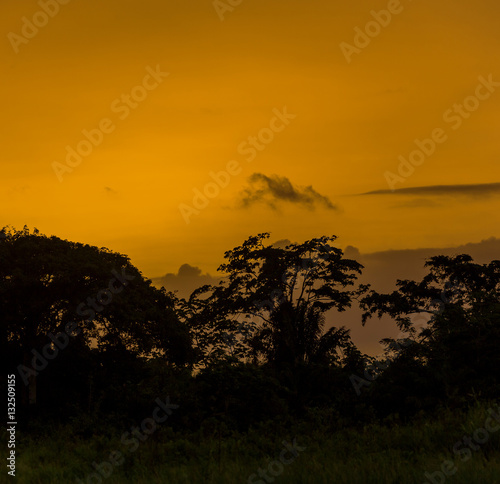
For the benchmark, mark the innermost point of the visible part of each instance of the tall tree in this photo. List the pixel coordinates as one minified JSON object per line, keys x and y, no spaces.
{"x":281,"y":295}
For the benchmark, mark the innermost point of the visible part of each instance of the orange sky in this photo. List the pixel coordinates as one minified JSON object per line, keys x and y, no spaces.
{"x":227,"y":78}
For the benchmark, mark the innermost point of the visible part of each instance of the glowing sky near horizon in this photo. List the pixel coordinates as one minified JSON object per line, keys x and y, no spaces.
{"x":353,"y":121}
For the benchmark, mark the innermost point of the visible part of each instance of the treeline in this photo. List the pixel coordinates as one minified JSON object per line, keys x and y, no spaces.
{"x":93,"y":343}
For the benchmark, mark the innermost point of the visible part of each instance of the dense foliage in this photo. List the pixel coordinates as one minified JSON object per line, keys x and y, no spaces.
{"x":249,"y":350}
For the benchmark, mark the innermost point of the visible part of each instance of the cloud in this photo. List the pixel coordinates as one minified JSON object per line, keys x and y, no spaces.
{"x":187,"y":279}
{"x":282,"y":243}
{"x":382,"y":269}
{"x":274,"y":189}
{"x":479,"y":190}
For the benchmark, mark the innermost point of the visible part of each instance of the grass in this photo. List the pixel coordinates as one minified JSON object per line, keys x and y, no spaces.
{"x":371,"y":454}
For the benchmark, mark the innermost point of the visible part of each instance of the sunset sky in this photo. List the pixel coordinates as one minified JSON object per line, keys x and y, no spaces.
{"x":350,"y":120}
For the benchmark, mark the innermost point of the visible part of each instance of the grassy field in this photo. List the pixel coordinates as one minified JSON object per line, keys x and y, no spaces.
{"x":392,"y":453}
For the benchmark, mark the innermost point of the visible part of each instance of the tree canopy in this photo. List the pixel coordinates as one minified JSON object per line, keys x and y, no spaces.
{"x":113,"y":337}
{"x":279,"y":297}
{"x":47,"y":283}
{"x":457,"y":346}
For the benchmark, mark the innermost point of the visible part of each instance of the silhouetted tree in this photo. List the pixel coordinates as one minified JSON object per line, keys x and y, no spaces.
{"x":457,"y":348}
{"x":281,"y":296}
{"x":46,"y":284}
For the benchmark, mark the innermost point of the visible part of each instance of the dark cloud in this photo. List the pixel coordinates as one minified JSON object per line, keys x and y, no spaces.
{"x":273,"y":189}
{"x":479,"y":190}
{"x":187,"y":279}
{"x":382,"y":269}
{"x":282,"y":243}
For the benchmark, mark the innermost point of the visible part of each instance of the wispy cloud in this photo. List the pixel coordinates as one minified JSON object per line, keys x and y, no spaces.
{"x":479,"y":190}
{"x":274,"y":189}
